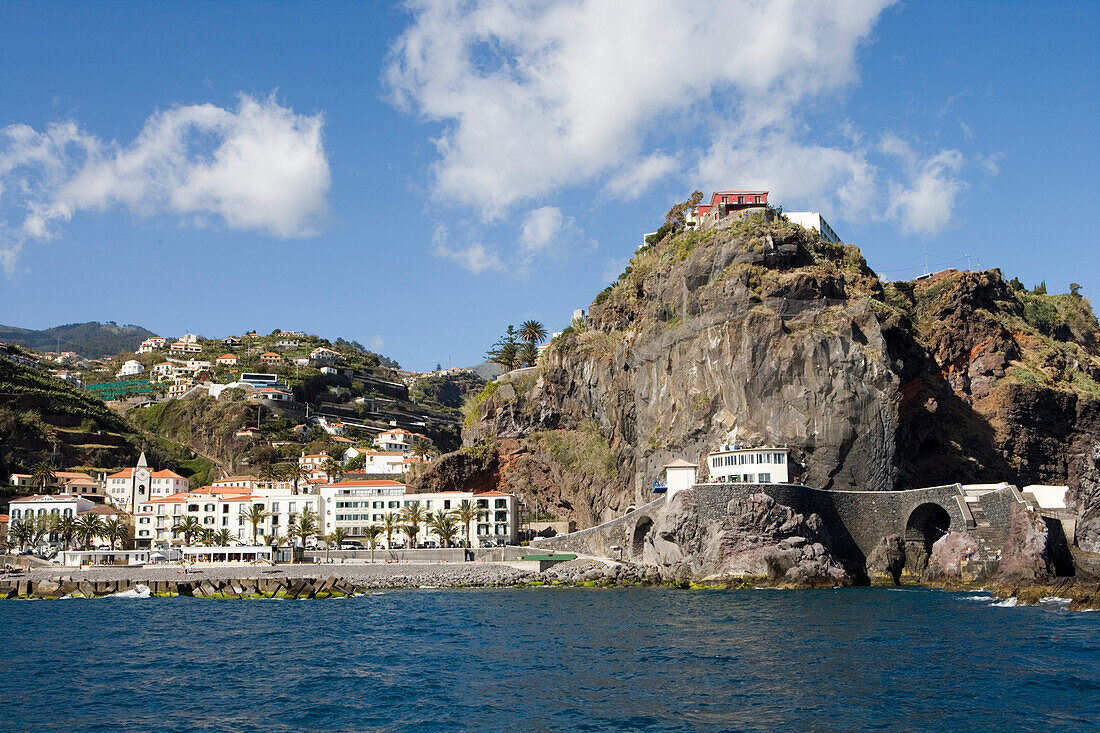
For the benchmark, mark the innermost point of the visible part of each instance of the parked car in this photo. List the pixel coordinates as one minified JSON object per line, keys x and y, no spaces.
{"x":351,"y":545}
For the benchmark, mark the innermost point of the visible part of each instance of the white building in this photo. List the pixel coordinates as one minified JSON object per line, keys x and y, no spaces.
{"x":127,"y":488}
{"x":376,"y":461}
{"x":184,"y":347}
{"x":813,"y":220}
{"x":53,"y":505}
{"x":131,"y":368}
{"x":355,"y":505}
{"x":322,"y":355}
{"x":218,"y":508}
{"x":749,"y":465}
{"x":398,"y":439}
{"x":153,"y":343}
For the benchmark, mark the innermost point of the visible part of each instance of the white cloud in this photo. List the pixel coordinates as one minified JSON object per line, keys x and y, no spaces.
{"x":474,"y":257}
{"x":825,"y":177}
{"x":376,"y":343}
{"x":540,"y":227}
{"x":260,"y":167}
{"x":924,"y":203}
{"x":633,"y":181}
{"x":536,"y":97}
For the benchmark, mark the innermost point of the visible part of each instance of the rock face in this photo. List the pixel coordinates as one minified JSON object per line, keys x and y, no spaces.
{"x":1086,"y":500}
{"x":1026,"y":557}
{"x":757,"y":539}
{"x":764,"y":333}
{"x":953,"y":558}
{"x":886,"y":561}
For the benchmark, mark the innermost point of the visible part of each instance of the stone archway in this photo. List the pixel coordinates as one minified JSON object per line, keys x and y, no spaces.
{"x":641,"y":531}
{"x":926,"y":524}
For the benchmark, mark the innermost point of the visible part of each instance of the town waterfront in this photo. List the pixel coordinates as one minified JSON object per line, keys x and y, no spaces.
{"x":545,"y":659}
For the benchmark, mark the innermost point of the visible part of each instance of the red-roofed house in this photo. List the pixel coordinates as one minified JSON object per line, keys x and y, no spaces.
{"x":131,"y":486}
{"x":724,"y":203}
{"x":226,"y":360}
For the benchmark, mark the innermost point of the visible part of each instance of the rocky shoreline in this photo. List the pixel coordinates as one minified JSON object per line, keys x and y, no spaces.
{"x":313,"y":581}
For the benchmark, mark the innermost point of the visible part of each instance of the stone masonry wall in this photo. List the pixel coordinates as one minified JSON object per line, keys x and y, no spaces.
{"x":856,"y":520}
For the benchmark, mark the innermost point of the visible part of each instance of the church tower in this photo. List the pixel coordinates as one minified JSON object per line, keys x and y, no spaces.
{"x":140,"y":483}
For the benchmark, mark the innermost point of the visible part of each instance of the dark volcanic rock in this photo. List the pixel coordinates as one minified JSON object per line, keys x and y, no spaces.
{"x":757,"y":539}
{"x":1086,"y":501}
{"x":952,"y":557}
{"x":886,"y":561}
{"x":1026,"y":557}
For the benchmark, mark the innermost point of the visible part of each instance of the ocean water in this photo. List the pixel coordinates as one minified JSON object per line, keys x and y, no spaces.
{"x":550,"y":660}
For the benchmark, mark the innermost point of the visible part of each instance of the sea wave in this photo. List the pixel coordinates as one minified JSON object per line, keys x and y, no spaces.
{"x":138,"y":591}
{"x":1006,"y":603}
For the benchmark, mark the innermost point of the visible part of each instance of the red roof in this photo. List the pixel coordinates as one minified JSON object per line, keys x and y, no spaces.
{"x":165,"y":473}
{"x":124,"y":473}
{"x":376,"y":482}
{"x":489,"y":493}
{"x":227,"y":357}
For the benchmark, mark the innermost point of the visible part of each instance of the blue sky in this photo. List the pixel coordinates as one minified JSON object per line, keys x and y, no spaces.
{"x":416,"y":177}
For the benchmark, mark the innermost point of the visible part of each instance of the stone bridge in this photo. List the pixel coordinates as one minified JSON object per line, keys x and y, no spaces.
{"x":856,"y":520}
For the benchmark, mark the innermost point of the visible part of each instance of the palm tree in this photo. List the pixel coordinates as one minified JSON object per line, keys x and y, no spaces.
{"x":372,"y":533}
{"x":40,"y":529}
{"x":443,"y":524}
{"x":270,"y":474}
{"x":88,"y":527}
{"x":338,"y":536}
{"x":115,"y":530}
{"x":296,"y":473}
{"x":332,"y":467}
{"x":413,"y":515}
{"x":390,"y":522}
{"x":189,"y":528}
{"x":421,"y":449}
{"x":531,"y":333}
{"x":255,"y":514}
{"x":22,"y":531}
{"x":65,"y":528}
{"x":306,"y":526}
{"x":222,"y":537}
{"x":467,"y":512}
{"x":206,"y":536}
{"x":42,"y":474}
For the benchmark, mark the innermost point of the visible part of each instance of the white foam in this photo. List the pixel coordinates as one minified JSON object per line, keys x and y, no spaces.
{"x":1006,"y":603}
{"x":138,"y":591}
{"x":981,"y":598}
{"x":1055,"y":599}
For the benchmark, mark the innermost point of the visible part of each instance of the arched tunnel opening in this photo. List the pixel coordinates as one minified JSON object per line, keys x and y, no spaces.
{"x":641,"y":530}
{"x":926,"y":524}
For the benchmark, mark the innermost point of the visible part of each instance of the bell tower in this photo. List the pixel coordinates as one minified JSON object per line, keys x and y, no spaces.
{"x":140,"y":483}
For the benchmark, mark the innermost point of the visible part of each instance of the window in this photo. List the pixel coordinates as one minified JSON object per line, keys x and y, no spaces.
{"x":765,"y":478}
{"x":225,"y":509}
{"x":750,"y":478}
{"x":502,"y":503}
{"x":192,"y":507}
{"x":207,"y":520}
{"x":740,"y":199}
{"x":446,"y":503}
{"x":756,"y":199}
{"x":208,"y":507}
{"x":725,"y":199}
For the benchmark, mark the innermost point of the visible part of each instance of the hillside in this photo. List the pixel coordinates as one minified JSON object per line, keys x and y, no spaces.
{"x":763,"y":332}
{"x":46,"y":419}
{"x":91,"y":339}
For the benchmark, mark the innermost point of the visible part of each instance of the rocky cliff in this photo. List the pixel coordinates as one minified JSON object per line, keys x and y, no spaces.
{"x":762,"y":332}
